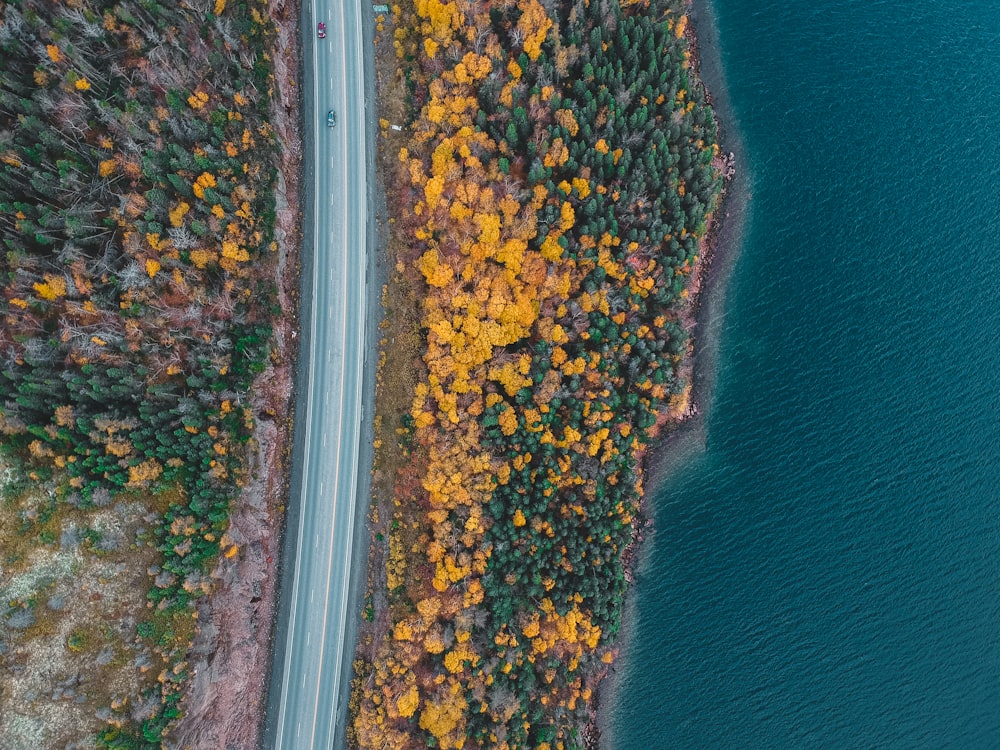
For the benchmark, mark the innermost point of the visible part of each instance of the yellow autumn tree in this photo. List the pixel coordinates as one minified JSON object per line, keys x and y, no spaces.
{"x":407,"y":703}
{"x":142,"y":474}
{"x":444,"y":716}
{"x":534,"y":24}
{"x":52,"y":288}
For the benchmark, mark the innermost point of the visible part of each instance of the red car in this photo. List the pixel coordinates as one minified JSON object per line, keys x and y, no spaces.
{"x":321,"y":30}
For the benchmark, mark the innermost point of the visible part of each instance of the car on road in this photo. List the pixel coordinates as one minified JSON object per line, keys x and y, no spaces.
{"x":321,"y":30}
{"x":331,"y":118}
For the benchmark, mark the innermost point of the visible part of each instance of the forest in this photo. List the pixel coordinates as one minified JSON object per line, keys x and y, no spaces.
{"x":136,"y":213}
{"x":558,"y":175}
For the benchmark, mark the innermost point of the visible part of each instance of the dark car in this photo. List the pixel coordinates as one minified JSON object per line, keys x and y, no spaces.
{"x":321,"y":30}
{"x":331,"y":118}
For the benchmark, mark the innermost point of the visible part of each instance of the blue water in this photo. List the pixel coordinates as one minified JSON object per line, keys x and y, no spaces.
{"x":825,"y":571}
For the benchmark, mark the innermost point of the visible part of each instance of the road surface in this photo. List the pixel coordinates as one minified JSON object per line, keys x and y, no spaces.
{"x":316,"y":630}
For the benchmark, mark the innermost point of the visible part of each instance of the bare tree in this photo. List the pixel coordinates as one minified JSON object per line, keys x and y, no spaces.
{"x":89,"y":28}
{"x":181,"y":237}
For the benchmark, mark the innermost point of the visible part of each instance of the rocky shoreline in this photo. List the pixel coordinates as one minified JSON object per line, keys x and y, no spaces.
{"x":710,"y":272}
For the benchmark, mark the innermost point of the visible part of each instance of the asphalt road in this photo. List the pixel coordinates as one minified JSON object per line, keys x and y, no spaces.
{"x":316,"y":630}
